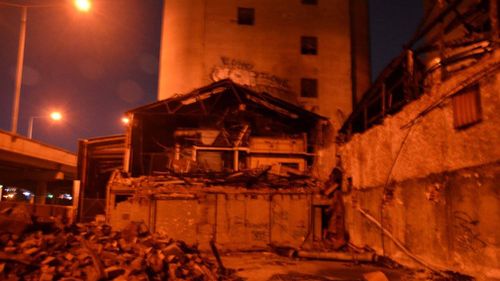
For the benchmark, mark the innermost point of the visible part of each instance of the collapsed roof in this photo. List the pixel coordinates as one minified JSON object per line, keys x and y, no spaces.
{"x":222,"y":115}
{"x":208,"y":100}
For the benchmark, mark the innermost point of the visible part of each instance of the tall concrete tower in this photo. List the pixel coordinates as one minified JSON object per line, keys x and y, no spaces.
{"x":314,"y":53}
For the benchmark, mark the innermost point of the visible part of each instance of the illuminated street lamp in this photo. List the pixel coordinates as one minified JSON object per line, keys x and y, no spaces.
{"x":81,"y":5}
{"x":125,"y":120}
{"x":56,"y":116}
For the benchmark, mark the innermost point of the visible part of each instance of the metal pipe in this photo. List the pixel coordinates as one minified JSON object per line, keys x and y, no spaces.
{"x":19,"y":69}
{"x":339,"y":256}
{"x":396,"y":242}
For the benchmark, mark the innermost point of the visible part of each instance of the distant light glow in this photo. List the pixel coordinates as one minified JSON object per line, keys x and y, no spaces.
{"x":83,"y":5}
{"x":50,"y":196}
{"x":65,"y":196}
{"x":125,"y":120}
{"x":56,"y":115}
{"x":27,"y":193}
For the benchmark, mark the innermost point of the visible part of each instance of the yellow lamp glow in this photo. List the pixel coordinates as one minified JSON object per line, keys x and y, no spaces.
{"x":55,"y":116}
{"x":83,"y":5}
{"x":125,"y":120}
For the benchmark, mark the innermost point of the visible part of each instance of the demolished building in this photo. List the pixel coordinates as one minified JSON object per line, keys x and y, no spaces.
{"x":221,"y":163}
{"x":419,"y":157}
{"x":421,"y":148}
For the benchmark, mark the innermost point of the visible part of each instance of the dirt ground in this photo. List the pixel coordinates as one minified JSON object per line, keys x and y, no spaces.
{"x":265,"y":266}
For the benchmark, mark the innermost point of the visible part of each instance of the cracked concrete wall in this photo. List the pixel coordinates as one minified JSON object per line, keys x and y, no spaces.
{"x":442,"y":201}
{"x":237,"y":221}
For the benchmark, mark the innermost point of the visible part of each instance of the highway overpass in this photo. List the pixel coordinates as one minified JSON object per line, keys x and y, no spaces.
{"x":31,"y":165}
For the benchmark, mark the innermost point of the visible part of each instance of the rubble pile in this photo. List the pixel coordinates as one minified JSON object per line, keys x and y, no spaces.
{"x":96,"y":252}
{"x":253,"y":178}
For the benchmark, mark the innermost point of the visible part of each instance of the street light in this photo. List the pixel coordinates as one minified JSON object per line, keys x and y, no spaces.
{"x":125,"y":120}
{"x":56,"y":116}
{"x":81,"y":5}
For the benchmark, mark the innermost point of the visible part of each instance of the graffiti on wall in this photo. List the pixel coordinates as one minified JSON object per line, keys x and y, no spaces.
{"x":467,"y":235}
{"x":244,"y":73}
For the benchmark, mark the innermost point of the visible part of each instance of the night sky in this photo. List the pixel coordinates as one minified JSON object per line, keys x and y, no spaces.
{"x":94,"y":66}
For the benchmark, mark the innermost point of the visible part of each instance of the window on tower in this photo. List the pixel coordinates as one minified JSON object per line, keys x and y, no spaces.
{"x":309,"y":45}
{"x":309,"y":88}
{"x":246,"y":16}
{"x":310,"y":2}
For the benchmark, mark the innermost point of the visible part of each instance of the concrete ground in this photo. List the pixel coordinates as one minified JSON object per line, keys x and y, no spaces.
{"x":265,"y":266}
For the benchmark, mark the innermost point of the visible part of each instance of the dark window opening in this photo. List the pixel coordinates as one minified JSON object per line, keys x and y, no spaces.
{"x":374,"y":112}
{"x":246,"y":16}
{"x":466,"y":107}
{"x":121,"y":198}
{"x":309,"y":88}
{"x":396,"y":98}
{"x":309,"y":45}
{"x":310,"y":2}
{"x":290,"y":165}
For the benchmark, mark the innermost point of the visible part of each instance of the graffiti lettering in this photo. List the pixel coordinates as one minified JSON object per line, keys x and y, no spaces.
{"x":244,"y":73}
{"x":466,"y":234}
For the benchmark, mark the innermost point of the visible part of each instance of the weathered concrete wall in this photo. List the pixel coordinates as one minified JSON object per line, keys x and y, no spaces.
{"x":433,"y":145}
{"x":237,"y":221}
{"x":202,"y":42}
{"x":449,"y":220}
{"x":442,"y":201}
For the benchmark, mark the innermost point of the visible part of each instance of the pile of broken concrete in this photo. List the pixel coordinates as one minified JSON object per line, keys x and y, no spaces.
{"x":94,"y":251}
{"x":250,"y":179}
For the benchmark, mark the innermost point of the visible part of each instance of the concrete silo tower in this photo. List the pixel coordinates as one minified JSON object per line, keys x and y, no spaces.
{"x":311,"y":52}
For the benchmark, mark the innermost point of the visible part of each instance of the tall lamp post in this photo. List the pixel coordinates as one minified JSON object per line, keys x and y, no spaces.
{"x":81,"y":5}
{"x":56,"y":116}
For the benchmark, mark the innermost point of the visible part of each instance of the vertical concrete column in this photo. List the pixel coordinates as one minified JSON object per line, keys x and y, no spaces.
{"x":182,"y":47}
{"x":494,"y":20}
{"x":360,"y":48}
{"x":41,"y":192}
{"x":76,"y":199}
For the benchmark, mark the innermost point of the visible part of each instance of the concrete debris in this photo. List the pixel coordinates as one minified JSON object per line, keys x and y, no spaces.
{"x":16,"y":219}
{"x":94,"y":251}
{"x":253,"y":178}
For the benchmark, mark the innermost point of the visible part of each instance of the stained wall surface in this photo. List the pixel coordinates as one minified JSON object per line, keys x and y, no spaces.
{"x":245,"y":221}
{"x":203,"y":42}
{"x":433,"y":186}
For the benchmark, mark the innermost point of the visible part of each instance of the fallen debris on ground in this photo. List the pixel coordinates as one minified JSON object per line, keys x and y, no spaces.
{"x":94,"y":251}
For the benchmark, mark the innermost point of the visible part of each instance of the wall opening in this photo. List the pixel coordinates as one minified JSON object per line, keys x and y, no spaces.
{"x":246,"y":16}
{"x":309,"y":45}
{"x":308,"y":88}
